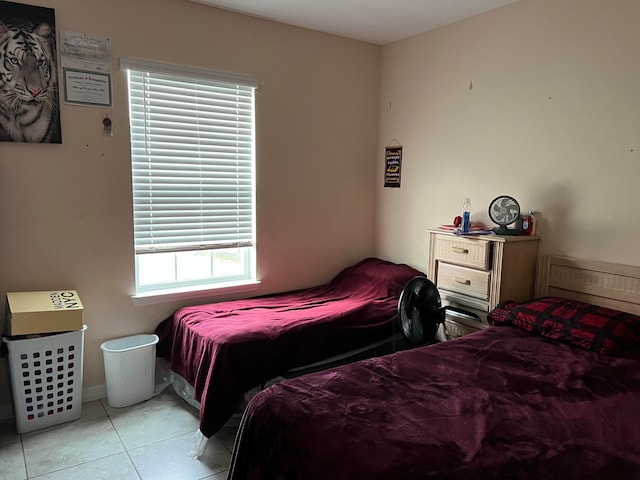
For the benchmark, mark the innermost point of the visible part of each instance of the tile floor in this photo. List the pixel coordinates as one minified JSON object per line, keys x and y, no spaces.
{"x":147,"y":441}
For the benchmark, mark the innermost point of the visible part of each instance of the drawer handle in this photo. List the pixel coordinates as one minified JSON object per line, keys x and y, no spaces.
{"x":463,"y":281}
{"x":459,"y":250}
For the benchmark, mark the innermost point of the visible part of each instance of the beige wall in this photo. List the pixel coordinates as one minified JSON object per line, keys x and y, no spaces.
{"x":66,"y":209}
{"x":538,"y":100}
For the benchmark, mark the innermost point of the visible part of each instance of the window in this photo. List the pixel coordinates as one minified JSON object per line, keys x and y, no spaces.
{"x":193,"y":173}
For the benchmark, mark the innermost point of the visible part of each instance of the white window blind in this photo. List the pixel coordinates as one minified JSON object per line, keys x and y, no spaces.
{"x":192,"y":146}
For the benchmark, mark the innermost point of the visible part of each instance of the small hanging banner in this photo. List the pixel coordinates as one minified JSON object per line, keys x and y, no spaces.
{"x":393,"y":166}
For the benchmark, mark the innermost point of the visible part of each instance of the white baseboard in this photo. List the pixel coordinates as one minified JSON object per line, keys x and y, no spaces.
{"x":89,"y":394}
{"x":96,"y":392}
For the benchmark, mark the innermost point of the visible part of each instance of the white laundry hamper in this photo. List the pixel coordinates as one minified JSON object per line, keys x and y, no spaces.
{"x":46,"y":378}
{"x":129,"y":365}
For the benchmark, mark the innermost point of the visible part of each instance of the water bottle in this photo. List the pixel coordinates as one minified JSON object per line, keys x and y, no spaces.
{"x":466,"y":215}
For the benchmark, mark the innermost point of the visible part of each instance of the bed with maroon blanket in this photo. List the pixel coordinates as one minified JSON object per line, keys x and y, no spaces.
{"x":224,"y":349}
{"x":497,"y":404}
{"x":551,"y":390}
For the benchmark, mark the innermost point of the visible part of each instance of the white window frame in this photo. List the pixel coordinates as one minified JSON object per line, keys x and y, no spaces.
{"x":193,"y":179}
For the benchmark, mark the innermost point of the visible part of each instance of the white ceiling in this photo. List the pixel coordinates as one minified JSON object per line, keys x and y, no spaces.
{"x":374,"y":21}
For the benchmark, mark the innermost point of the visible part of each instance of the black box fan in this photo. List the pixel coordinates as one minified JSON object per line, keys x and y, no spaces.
{"x":420,"y":310}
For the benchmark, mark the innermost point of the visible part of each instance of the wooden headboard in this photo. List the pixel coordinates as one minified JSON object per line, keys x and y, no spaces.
{"x":609,"y":285}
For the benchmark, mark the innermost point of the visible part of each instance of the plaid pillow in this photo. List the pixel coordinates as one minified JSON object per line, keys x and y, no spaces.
{"x":501,"y":314}
{"x":599,"y":329}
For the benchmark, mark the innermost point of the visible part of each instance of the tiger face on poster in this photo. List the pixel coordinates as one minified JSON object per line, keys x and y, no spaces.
{"x":29,"y":100}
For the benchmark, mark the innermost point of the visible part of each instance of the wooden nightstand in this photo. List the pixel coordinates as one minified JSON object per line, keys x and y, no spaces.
{"x":476,"y":273}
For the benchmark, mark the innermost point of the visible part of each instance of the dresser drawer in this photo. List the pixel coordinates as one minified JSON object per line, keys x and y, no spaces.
{"x":478,"y":306}
{"x":453,"y":329}
{"x":472,"y":253}
{"x":464,"y":280}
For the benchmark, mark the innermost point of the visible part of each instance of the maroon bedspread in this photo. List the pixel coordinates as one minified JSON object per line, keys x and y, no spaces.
{"x":224,"y":349}
{"x":497,"y":404}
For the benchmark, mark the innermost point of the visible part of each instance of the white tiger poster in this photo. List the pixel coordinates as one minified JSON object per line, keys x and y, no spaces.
{"x":29,"y":100}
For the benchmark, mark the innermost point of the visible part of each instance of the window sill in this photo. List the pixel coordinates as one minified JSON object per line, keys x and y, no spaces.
{"x":187,"y":293}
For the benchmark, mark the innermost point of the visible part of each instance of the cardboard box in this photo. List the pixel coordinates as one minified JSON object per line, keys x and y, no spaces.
{"x":43,"y":312}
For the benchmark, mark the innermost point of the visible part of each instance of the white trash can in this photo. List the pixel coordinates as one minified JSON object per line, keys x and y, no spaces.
{"x":129,"y":366}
